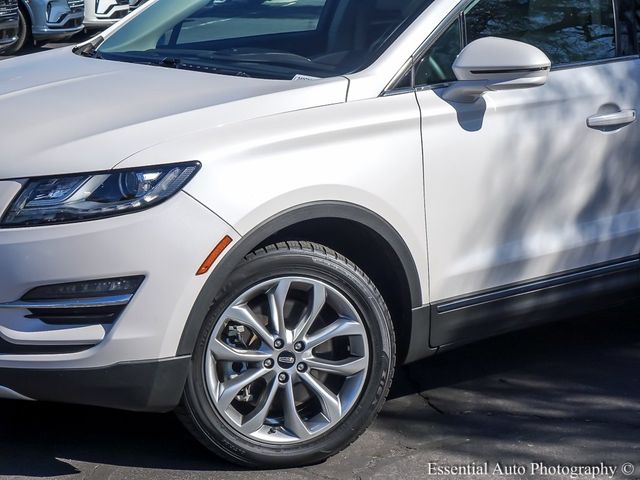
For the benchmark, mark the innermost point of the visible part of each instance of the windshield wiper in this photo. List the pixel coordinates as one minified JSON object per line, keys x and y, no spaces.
{"x":283,"y":59}
{"x":170,"y":62}
{"x":204,"y":67}
{"x":182,"y":64}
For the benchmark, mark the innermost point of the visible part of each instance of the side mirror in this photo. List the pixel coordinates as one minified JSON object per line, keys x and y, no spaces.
{"x":493,"y":64}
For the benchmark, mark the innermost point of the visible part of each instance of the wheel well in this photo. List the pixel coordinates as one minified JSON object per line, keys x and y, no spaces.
{"x":26,"y":12}
{"x":369,"y":251}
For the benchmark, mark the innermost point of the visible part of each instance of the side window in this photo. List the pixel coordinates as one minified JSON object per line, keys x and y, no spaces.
{"x":568,"y":31}
{"x":635,"y":9}
{"x":627,"y":29}
{"x":435,"y":66}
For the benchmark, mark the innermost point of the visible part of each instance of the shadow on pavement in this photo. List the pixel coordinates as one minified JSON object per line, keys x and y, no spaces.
{"x":37,"y":438}
{"x":567,"y":393}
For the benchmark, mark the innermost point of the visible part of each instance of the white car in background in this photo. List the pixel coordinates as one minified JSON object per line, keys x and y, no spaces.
{"x":299,"y":195}
{"x":133,"y":4}
{"x":100,"y":14}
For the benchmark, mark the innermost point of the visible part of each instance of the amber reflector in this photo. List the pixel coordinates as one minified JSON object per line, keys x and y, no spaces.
{"x":213,"y":256}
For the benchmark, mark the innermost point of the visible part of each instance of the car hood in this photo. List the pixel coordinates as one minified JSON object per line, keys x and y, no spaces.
{"x":64,"y":113}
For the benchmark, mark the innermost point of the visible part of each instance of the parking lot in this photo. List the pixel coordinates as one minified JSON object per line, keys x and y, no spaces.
{"x":564,"y":394}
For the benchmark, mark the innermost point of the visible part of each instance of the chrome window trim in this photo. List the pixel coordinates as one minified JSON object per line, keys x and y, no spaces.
{"x":399,"y":91}
{"x":590,"y":63}
{"x":428,"y":43}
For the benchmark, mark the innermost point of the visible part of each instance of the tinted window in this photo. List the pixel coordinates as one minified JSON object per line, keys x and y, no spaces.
{"x":262,"y":38}
{"x":568,"y":31}
{"x":232,"y":19}
{"x":436,"y":65}
{"x":627,"y":27}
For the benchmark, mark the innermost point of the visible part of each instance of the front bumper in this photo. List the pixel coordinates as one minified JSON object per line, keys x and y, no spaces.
{"x":52,"y":32}
{"x":165,"y":244}
{"x":99,"y":24}
{"x":153,"y":386}
{"x":64,"y":20}
{"x":112,"y":15}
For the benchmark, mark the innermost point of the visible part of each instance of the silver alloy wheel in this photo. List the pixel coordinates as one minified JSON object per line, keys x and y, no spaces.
{"x":287,"y":360}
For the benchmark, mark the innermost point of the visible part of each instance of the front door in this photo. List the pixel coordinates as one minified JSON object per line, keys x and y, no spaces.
{"x":525,"y":184}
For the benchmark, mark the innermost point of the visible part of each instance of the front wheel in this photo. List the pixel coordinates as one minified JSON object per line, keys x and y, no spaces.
{"x":294,"y":359}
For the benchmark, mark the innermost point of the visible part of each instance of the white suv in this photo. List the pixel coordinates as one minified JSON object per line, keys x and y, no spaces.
{"x":252,"y":211}
{"x":100,"y":14}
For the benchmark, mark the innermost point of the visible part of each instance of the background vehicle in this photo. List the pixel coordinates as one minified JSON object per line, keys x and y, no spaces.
{"x":42,"y":20}
{"x":133,"y":4}
{"x":104,"y":13}
{"x":304,"y":194}
{"x":9,"y":23}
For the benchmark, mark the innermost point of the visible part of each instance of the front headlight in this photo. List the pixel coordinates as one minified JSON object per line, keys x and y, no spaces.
{"x":65,"y":199}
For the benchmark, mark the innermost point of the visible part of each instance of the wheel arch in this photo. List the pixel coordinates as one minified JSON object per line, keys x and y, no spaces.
{"x":334,"y":224}
{"x":26,"y":8}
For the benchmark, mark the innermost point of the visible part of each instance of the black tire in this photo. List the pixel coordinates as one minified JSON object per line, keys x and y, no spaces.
{"x":294,"y":259}
{"x":24,"y":34}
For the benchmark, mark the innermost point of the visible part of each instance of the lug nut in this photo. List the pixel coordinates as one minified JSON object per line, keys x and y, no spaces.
{"x":299,"y":346}
{"x":301,"y":367}
{"x":279,"y":343}
{"x":283,"y":378}
{"x":268,"y":363}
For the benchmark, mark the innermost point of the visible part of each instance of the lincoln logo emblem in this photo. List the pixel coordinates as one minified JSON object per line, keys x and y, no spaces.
{"x":286,"y":359}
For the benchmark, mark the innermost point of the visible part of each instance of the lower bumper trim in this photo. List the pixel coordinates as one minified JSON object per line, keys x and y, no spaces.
{"x":151,"y":386}
{"x":45,"y":33}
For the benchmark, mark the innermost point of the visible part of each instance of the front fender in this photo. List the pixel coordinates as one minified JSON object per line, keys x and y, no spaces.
{"x":311,"y":211}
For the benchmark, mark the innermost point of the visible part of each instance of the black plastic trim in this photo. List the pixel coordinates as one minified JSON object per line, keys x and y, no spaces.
{"x":336,"y":210}
{"x":80,"y":316}
{"x":418,"y":348}
{"x":8,"y":348}
{"x":479,"y":71}
{"x":151,"y":386}
{"x":569,"y":294}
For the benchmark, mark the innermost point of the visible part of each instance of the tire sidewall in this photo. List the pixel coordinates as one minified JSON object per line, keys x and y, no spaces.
{"x":374,"y":314}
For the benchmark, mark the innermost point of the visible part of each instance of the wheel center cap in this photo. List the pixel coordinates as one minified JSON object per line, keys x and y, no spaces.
{"x":286,"y":360}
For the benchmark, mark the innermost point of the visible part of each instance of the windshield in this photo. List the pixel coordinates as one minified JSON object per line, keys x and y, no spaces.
{"x":281,"y":39}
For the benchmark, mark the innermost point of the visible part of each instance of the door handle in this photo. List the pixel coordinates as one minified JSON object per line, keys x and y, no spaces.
{"x":612,"y":121}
